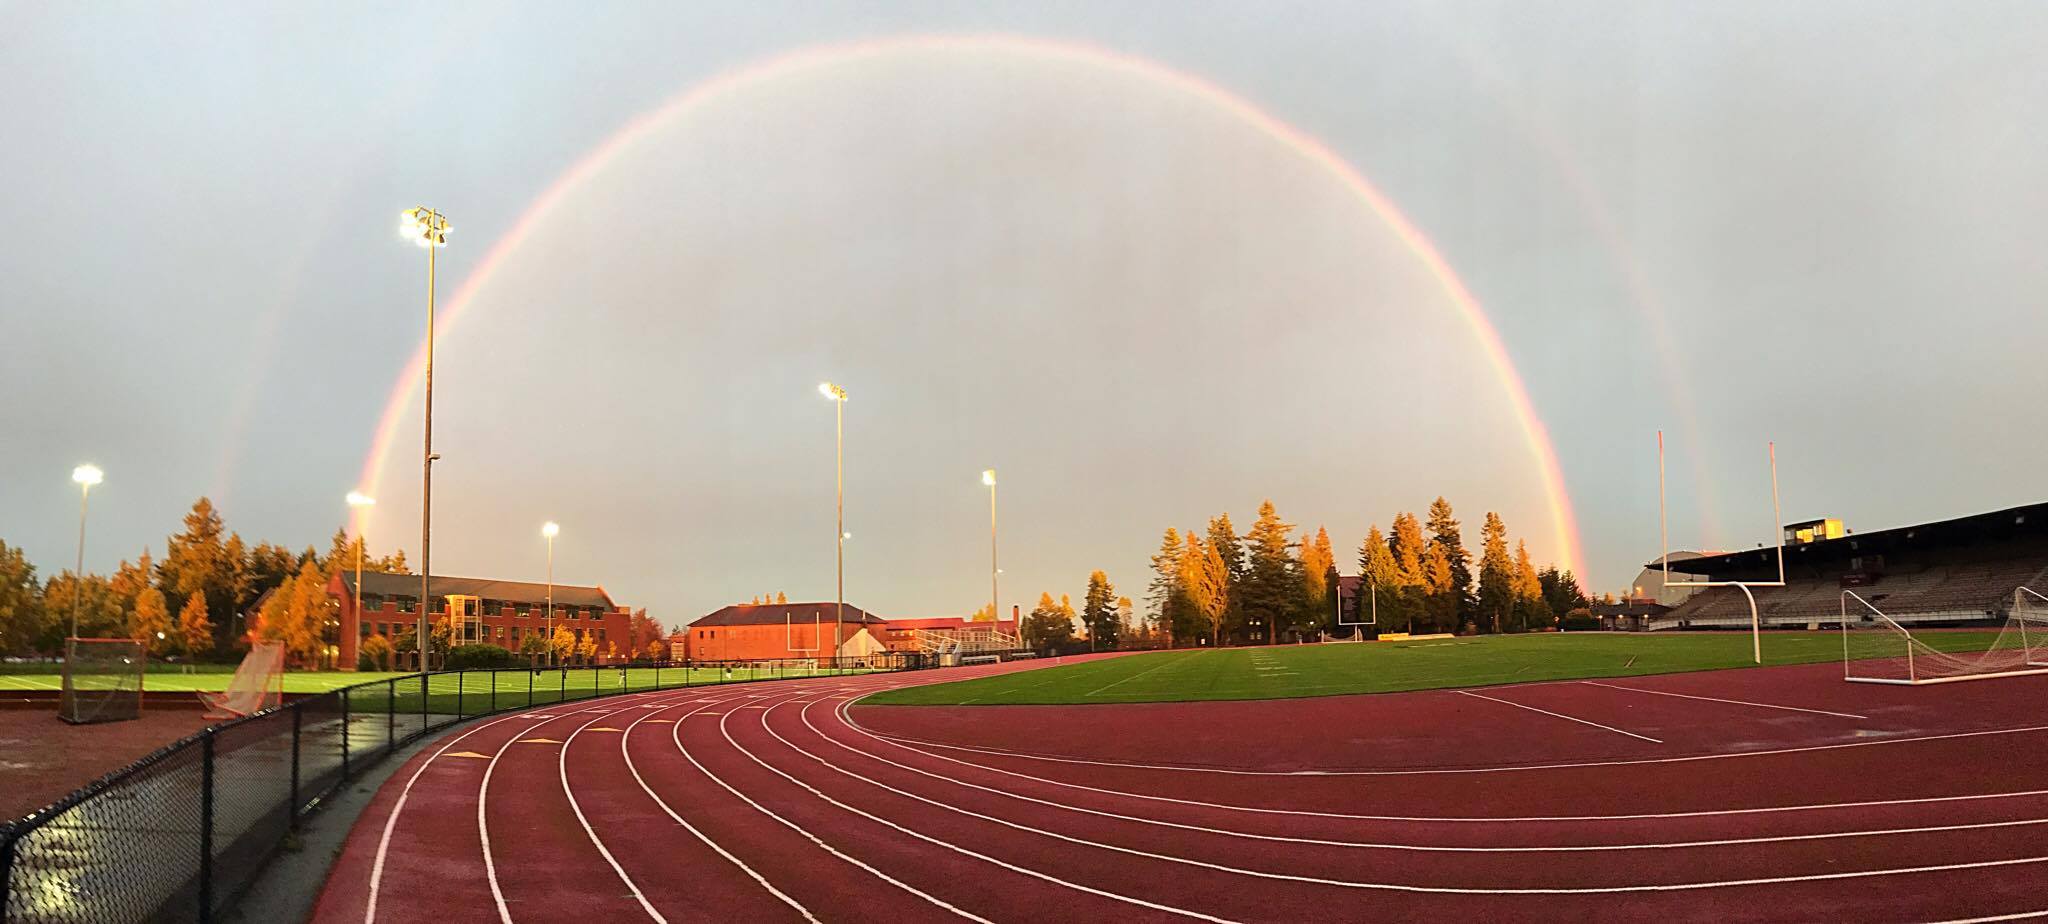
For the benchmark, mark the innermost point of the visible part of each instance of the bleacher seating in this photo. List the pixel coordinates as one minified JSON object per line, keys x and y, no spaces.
{"x":1952,"y":588}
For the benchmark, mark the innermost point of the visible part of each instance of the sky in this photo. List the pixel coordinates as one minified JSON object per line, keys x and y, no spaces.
{"x":1150,"y":261}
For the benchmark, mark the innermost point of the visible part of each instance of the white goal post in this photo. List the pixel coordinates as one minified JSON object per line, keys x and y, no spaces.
{"x":1369,"y":587}
{"x":1877,"y":649}
{"x":1756,"y":623}
{"x":789,"y":634}
{"x":102,"y":680}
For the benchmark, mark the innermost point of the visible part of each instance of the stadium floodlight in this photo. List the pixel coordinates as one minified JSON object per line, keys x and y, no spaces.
{"x":429,"y":229}
{"x":995,"y":615}
{"x":550,"y":530}
{"x":86,"y":476}
{"x":838,"y":396}
{"x":1756,"y":629}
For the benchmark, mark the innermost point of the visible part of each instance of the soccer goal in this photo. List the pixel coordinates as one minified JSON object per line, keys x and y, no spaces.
{"x":102,"y":680}
{"x":258,"y":684}
{"x":1876,"y":649}
{"x":1756,"y":622}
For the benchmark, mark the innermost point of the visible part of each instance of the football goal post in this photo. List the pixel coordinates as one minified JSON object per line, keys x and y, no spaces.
{"x":1370,"y":590}
{"x":1756,"y":621}
{"x":102,"y":680}
{"x":1877,"y":649}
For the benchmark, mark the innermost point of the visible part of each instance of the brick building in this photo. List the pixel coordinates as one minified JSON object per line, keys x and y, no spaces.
{"x":767,"y":631}
{"x":501,"y":613}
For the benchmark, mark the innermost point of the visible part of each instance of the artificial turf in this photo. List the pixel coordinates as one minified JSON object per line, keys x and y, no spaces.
{"x":1284,"y":671}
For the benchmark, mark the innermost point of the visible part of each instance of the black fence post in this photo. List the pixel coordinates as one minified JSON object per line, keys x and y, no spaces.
{"x":423,"y":704}
{"x":344,"y":732}
{"x":494,"y":690}
{"x":529,"y":686}
{"x":461,"y":680}
{"x":295,"y":766}
{"x":390,"y":715}
{"x":206,"y":827}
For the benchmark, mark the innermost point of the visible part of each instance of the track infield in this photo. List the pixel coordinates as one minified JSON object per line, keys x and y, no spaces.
{"x":1333,"y":669}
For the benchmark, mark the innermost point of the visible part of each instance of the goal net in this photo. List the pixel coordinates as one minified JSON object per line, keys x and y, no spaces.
{"x":102,"y":680}
{"x":1876,"y":649}
{"x":258,"y":684}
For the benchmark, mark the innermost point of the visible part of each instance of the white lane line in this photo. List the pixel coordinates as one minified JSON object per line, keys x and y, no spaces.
{"x":1716,"y":699}
{"x":1704,"y":813}
{"x":1559,"y":715}
{"x":562,"y":769}
{"x":708,"y":842}
{"x":1035,"y":874}
{"x":1403,"y":887}
{"x":676,"y":734}
{"x":391,"y":823}
{"x":1437,"y":771}
{"x":1164,"y":662}
{"x":2015,"y":916}
{"x":1376,"y":845}
{"x":483,"y":828}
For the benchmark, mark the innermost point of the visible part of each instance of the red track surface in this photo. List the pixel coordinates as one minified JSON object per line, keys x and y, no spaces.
{"x":1810,"y":799}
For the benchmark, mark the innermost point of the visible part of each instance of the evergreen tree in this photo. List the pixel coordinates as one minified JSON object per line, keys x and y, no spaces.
{"x":1230,"y":552}
{"x":270,"y":566}
{"x":195,"y":630}
{"x":987,"y":613}
{"x":1049,"y":625}
{"x":1497,"y":590}
{"x":22,"y":619}
{"x":1127,"y":621}
{"x":1272,"y":588}
{"x":150,"y":623}
{"x":1378,"y":583}
{"x":1319,"y":582}
{"x":1439,"y":605}
{"x":1533,"y":612}
{"x":394,"y":563}
{"x":1561,"y":591}
{"x":130,"y":580}
{"x":241,"y":578}
{"x":1164,"y":593}
{"x":1443,"y":532}
{"x":195,"y":562}
{"x":99,"y":611}
{"x":1098,"y":613}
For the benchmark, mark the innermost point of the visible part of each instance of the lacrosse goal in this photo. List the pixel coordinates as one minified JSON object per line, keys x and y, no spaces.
{"x":258,"y":684}
{"x":102,"y":680}
{"x":1877,"y":649}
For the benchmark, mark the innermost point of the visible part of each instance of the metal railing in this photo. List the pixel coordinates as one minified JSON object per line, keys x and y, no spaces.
{"x":182,"y":833}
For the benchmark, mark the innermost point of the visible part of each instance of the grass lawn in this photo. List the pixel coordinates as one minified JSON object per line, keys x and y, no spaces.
{"x":572,"y":682}
{"x":1285,"y":671}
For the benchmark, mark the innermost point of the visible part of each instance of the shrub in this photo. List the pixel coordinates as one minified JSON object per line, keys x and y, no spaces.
{"x":464,"y":657}
{"x":1579,"y":620}
{"x":374,"y":655}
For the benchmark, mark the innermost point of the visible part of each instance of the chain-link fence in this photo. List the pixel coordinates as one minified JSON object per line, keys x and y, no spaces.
{"x":180,"y":835}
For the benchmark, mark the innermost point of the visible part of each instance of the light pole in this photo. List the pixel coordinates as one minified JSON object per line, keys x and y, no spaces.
{"x":86,"y":476}
{"x":995,"y":615}
{"x":550,"y":529}
{"x":838,"y":396}
{"x":359,"y":501}
{"x":429,"y":229}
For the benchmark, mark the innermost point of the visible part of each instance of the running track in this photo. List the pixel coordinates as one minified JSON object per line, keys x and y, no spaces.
{"x":1774,"y":794}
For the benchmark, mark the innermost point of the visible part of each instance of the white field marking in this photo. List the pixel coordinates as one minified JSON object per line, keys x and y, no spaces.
{"x":1035,"y":874}
{"x":1436,"y":771}
{"x":562,"y":769}
{"x":391,"y":823}
{"x":1716,"y":699}
{"x":1393,"y":886}
{"x":1374,"y":845}
{"x":847,"y":718}
{"x":1162,"y":663}
{"x":1558,"y":715}
{"x":24,"y":678}
{"x":676,"y":735}
{"x":2015,"y":916}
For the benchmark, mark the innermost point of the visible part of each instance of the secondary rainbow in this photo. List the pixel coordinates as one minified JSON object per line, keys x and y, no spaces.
{"x":1565,"y":533}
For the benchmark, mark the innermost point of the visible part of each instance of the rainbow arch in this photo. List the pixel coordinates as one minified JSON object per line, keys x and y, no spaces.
{"x":1564,"y":524}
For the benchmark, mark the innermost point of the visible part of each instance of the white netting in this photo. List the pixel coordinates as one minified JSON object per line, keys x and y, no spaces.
{"x":1875,"y":648}
{"x":258,"y":684}
{"x":102,"y":680}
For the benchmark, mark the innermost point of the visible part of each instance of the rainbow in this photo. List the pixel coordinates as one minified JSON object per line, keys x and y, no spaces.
{"x":1565,"y":532}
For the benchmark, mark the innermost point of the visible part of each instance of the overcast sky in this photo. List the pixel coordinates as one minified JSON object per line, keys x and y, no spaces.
{"x":1816,"y":223}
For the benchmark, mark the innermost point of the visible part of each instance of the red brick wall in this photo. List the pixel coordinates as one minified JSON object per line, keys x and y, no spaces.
{"x":505,"y":628}
{"x":761,"y":643}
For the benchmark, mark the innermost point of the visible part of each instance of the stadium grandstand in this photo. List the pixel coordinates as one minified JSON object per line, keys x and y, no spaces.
{"x":1949,"y":572}
{"x":952,"y":638}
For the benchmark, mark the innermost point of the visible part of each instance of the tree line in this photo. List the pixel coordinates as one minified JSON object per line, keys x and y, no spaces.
{"x":1213,"y":587}
{"x":212,"y":592}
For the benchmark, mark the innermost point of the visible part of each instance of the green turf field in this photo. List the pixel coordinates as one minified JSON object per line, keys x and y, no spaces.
{"x":1283,"y":671}
{"x":214,"y":677}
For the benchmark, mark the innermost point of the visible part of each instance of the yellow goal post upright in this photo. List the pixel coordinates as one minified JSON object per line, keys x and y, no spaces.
{"x":1756,"y":626}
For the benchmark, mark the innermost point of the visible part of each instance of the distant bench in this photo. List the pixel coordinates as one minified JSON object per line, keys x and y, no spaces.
{"x":980,"y":659}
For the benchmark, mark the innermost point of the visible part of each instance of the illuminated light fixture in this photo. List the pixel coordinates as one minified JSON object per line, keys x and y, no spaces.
{"x":550,"y":529}
{"x":424,"y":226}
{"x":88,"y":475}
{"x":988,"y":477}
{"x":359,"y":499}
{"x":832,"y":391}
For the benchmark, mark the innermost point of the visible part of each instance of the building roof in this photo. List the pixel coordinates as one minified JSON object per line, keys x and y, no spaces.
{"x":2028,"y":521}
{"x":761,"y":614}
{"x":948,"y":622}
{"x":408,"y":585}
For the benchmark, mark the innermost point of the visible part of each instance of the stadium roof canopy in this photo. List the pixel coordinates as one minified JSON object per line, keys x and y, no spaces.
{"x":2029,"y":521}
